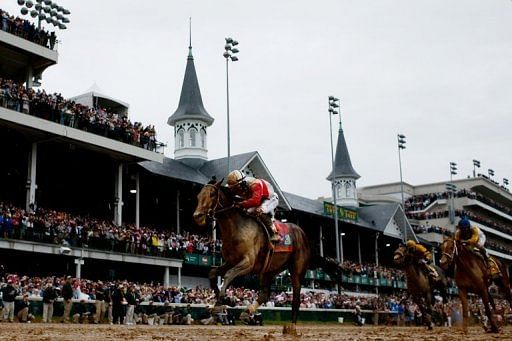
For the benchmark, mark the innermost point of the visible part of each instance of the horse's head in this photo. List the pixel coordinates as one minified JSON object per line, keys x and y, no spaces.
{"x":400,"y":255}
{"x":449,"y":251}
{"x":207,"y":202}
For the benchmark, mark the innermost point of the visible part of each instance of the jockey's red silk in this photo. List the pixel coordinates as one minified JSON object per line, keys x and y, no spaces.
{"x":258,"y":192}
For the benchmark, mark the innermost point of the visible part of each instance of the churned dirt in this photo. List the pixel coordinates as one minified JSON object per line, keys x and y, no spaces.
{"x":37,"y":331}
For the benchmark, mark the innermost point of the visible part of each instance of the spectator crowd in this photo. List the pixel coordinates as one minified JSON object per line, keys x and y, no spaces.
{"x":49,"y":226}
{"x":27,"y":30}
{"x":54,"y":107}
{"x":123,"y":302}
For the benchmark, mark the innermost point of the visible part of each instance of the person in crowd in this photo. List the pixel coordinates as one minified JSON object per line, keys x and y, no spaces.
{"x":131,"y":301}
{"x":257,"y":197}
{"x":9,"y":293}
{"x":82,"y":313}
{"x":49,"y":297}
{"x":423,"y":256}
{"x":67,"y":295}
{"x":119,"y":304}
{"x":100,"y":302}
{"x":24,"y":316}
{"x":165,"y":313}
{"x":358,"y":316}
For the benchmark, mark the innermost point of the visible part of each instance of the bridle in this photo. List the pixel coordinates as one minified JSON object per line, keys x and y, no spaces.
{"x":454,"y":252}
{"x":217,"y":208}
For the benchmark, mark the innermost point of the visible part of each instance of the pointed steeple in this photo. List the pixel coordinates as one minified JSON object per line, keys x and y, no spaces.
{"x":190,"y":120}
{"x":343,"y":176}
{"x":342,"y":165}
{"x":191,"y":103}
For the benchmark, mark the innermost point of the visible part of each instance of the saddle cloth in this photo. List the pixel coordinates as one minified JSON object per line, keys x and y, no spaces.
{"x":285,"y":240}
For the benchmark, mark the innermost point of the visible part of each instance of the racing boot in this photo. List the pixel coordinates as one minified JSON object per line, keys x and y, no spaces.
{"x":266,"y":219}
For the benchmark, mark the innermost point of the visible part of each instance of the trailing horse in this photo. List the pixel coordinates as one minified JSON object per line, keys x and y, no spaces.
{"x":471,"y":276}
{"x":419,"y":285}
{"x":246,"y":248}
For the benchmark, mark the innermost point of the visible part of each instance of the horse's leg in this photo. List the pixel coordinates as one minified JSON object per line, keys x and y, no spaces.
{"x":464,"y":301}
{"x":486,"y":301}
{"x":266,"y":281}
{"x":214,"y":272}
{"x":242,"y":268}
{"x":428,"y":308}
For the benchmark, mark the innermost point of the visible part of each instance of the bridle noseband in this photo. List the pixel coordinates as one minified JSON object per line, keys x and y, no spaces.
{"x":454,"y":253}
{"x":212,"y":212}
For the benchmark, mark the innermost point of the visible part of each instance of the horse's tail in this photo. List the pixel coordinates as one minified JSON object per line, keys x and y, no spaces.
{"x":328,"y":264}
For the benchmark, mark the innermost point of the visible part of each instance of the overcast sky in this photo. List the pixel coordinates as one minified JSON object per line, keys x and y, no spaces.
{"x":438,"y":71}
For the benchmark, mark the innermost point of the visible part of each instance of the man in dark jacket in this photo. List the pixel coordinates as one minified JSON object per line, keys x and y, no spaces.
{"x":67,"y":295}
{"x":9,"y":293}
{"x":49,"y":296}
{"x":118,"y":304}
{"x":100,"y":302}
{"x":23,"y":312}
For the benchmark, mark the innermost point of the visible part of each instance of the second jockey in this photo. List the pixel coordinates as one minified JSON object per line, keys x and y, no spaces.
{"x":424,"y":257}
{"x":257,"y":197}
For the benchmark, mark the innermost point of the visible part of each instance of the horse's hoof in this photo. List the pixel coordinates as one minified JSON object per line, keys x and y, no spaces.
{"x":289,"y":330}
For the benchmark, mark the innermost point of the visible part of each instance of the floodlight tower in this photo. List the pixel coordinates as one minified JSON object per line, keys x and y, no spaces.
{"x":46,"y":10}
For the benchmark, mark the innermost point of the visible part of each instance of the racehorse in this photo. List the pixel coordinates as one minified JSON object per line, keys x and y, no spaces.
{"x":471,"y":276}
{"x":246,"y":247}
{"x":418,"y":283}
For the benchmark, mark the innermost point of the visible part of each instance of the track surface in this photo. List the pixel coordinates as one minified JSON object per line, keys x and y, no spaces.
{"x":37,"y":331}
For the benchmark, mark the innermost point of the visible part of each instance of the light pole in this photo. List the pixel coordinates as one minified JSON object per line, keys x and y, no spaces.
{"x":505,"y":182}
{"x":491,"y":173}
{"x":452,"y":189}
{"x":333,"y":106}
{"x":55,"y":14}
{"x":476,"y":164}
{"x":401,"y":145}
{"x":229,"y":54}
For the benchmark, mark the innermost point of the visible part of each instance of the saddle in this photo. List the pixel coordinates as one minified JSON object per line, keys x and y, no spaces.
{"x":493,"y":270}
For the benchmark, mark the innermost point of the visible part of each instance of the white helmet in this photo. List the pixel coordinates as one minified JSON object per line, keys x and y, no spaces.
{"x":235,"y":177}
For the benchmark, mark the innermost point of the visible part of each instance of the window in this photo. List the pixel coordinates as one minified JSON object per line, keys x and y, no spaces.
{"x":192,"y":136}
{"x":348,"y":189}
{"x":181,"y":138}
{"x":203,"y":138}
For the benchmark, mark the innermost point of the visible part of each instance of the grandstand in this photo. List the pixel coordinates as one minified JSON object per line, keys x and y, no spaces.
{"x":434,"y":211}
{"x":86,"y":192}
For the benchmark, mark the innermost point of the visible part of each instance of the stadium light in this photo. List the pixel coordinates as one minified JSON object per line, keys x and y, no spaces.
{"x":333,"y":105}
{"x":55,"y":14}
{"x":476,"y":164}
{"x":491,"y":173}
{"x":453,"y":169}
{"x":230,"y":52}
{"x":505,"y":182}
{"x":401,"y":145}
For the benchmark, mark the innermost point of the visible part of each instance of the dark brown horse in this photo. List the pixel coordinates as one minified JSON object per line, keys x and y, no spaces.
{"x":471,"y":276}
{"x":419,"y":286}
{"x":245,"y":247}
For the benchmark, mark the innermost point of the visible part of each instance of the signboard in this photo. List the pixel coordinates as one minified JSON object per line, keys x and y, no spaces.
{"x":343,"y":212}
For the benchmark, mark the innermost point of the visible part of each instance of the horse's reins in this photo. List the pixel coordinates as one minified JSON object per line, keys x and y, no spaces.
{"x":455,"y":252}
{"x":213,"y":212}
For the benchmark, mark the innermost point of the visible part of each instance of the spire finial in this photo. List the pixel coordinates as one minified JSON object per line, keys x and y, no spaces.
{"x":190,"y":36}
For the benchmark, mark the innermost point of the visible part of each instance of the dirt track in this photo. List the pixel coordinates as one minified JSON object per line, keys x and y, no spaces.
{"x":37,"y":331}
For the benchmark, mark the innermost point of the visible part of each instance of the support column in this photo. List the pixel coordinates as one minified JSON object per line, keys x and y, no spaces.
{"x":321,"y":242}
{"x":137,"y":200}
{"x":359,"y":247}
{"x":178,"y":211}
{"x":30,"y":77}
{"x":377,"y":249}
{"x":166,"y":277}
{"x":79,"y":262}
{"x":118,"y":195}
{"x":433,"y":255}
{"x":179,"y":278}
{"x":31,"y":178}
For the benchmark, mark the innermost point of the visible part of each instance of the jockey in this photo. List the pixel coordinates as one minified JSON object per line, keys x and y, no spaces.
{"x":423,"y":256}
{"x":258,"y":198}
{"x":473,"y":236}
